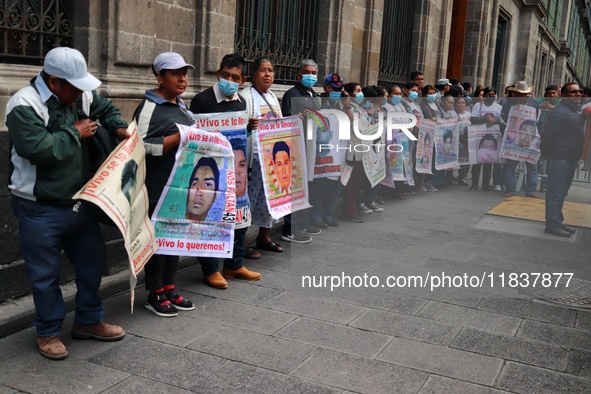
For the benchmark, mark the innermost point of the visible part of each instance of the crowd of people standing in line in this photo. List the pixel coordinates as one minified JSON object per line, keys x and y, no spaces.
{"x":47,"y":138}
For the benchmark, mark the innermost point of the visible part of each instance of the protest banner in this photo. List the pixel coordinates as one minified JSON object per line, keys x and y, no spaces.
{"x":463,"y":143}
{"x":280,"y":144}
{"x":446,"y":144}
{"x":374,"y":157}
{"x":118,"y":189}
{"x":233,"y":126}
{"x":395,"y":159}
{"x":522,"y":140}
{"x":483,"y":144}
{"x":425,"y":146}
{"x":325,"y":153}
{"x":196,"y":211}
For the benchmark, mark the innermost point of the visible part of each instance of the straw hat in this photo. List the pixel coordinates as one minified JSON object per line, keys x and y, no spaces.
{"x":521,"y":87}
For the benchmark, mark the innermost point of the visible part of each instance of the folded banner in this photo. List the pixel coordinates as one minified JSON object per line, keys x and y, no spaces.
{"x":522,"y":140}
{"x":196,"y":212}
{"x":484,"y":143}
{"x":118,"y":189}
{"x":446,"y":144}
{"x":233,"y":126}
{"x":280,"y":144}
{"x":425,"y":146}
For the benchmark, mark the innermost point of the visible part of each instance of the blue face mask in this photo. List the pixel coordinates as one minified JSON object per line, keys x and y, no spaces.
{"x":396,"y":99}
{"x":334,"y":96}
{"x":384,"y":101}
{"x":228,"y":88}
{"x":309,"y":80}
{"x":431,"y":98}
{"x":367,"y":105}
{"x":413,"y":96}
{"x":359,"y":97}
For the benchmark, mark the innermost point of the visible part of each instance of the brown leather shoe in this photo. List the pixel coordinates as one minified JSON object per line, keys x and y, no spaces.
{"x":216,"y":280}
{"x":52,"y":347}
{"x":241,"y":273}
{"x":100,"y":331}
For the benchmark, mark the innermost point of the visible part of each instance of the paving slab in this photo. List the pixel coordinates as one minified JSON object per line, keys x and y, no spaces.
{"x":411,"y":327}
{"x":240,"y":378}
{"x":583,"y":320}
{"x":380,"y":299}
{"x":512,"y":348}
{"x":579,"y":363}
{"x":160,"y":362}
{"x":297,"y":304}
{"x":556,"y":335}
{"x":442,"y":385}
{"x":442,"y":360}
{"x":530,"y":310}
{"x":24,"y":370}
{"x":335,"y":337}
{"x":519,"y":378}
{"x":469,"y":317}
{"x":136,"y":384}
{"x":234,"y":314}
{"x":359,"y":374}
{"x":271,"y":353}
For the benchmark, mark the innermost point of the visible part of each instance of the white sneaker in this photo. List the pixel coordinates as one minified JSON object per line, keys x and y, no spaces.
{"x":297,"y":238}
{"x":497,"y":188}
{"x":430,"y":188}
{"x":374,"y":207}
{"x":364,"y":208}
{"x":421,"y":187}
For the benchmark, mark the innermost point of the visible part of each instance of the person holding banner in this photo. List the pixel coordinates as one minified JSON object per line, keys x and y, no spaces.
{"x":157,"y":115}
{"x":261,"y":102}
{"x":488,"y":112}
{"x":223,"y":97}
{"x":48,"y":162}
{"x":520,"y":97}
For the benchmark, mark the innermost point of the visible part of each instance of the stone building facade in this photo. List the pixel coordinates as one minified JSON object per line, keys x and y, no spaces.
{"x":368,"y":41}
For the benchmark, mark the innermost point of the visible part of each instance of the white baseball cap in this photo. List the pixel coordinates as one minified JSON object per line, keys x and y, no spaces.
{"x":69,"y":64}
{"x":170,"y":61}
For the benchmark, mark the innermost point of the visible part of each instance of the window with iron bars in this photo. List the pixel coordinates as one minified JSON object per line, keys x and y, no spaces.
{"x":30,"y":28}
{"x":396,"y":43}
{"x":285,"y":31}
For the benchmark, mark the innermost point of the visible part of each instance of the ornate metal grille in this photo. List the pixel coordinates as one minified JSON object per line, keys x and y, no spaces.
{"x":29,"y":28}
{"x":396,"y":42}
{"x":285,"y":31}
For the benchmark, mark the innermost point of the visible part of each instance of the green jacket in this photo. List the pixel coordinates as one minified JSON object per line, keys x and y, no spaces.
{"x":47,"y":156}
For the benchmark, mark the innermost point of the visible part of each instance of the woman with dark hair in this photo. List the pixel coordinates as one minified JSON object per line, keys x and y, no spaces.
{"x":157,"y":117}
{"x":261,"y":103}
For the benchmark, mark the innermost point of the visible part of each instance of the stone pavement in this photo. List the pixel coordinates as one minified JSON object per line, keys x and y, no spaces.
{"x":276,"y":336}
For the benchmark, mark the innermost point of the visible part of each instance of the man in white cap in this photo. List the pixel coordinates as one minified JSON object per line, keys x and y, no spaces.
{"x":49,"y":165}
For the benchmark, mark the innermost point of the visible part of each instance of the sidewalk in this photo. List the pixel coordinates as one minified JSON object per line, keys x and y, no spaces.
{"x":276,"y":336}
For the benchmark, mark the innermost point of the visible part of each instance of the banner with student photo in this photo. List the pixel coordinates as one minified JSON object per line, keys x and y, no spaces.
{"x":446,"y":144}
{"x":395,"y":170}
{"x":408,"y":158}
{"x":196,"y":211}
{"x":281,"y":148}
{"x":424,"y":155}
{"x":118,"y":189}
{"x":522,"y":140}
{"x":483,"y":144}
{"x":374,"y":158}
{"x":463,"y":143}
{"x":325,"y":153}
{"x":233,"y":126}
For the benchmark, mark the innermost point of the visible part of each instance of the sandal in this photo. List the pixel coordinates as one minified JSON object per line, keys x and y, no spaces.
{"x":250,"y":253}
{"x":271,"y":246}
{"x":508,"y":194}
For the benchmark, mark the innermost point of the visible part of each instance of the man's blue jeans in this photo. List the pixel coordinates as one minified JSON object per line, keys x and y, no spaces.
{"x":531,"y":182}
{"x":44,"y":231}
{"x":323,"y":198}
{"x":560,"y":177}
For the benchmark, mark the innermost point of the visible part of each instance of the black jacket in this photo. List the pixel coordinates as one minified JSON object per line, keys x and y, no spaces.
{"x":564,"y":135}
{"x":301,"y":92}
